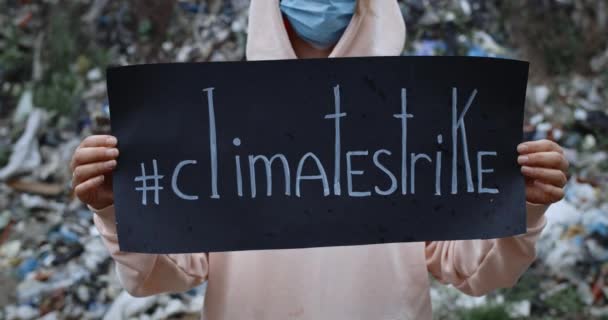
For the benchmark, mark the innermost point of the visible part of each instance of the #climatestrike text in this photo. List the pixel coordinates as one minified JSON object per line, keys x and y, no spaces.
{"x":251,"y":169}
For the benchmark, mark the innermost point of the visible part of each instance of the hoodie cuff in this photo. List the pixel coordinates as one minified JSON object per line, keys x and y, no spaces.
{"x":105,"y":219}
{"x":535,"y":215}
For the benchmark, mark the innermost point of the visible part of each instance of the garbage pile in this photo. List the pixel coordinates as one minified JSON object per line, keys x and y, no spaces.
{"x":567,"y":101}
{"x":53,"y":264}
{"x":52,"y":93}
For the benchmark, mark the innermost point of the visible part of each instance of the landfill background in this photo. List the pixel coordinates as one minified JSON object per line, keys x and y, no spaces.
{"x":53,"y":56}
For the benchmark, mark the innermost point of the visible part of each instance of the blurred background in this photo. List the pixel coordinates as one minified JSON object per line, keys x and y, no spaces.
{"x":53,"y":56}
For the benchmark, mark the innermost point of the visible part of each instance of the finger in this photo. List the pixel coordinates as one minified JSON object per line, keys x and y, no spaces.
{"x":90,"y":170}
{"x":542,"y":193}
{"x":547,"y":159}
{"x":83,"y":189}
{"x":101,"y":140}
{"x":552,"y":176}
{"x":538,"y":146}
{"x":89,"y":155}
{"x":535,"y":194}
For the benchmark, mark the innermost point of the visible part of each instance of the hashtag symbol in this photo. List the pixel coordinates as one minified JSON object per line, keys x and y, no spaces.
{"x":144,"y":186}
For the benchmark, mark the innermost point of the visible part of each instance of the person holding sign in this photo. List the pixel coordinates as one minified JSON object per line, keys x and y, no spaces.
{"x":384,"y":281}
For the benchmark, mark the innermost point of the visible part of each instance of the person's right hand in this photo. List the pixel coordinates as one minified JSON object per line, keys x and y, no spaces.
{"x":92,"y":166}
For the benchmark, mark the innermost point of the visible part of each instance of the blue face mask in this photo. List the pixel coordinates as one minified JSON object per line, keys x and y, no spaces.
{"x":319,"y":22}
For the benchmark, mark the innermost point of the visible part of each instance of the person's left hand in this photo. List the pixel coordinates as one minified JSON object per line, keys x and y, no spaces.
{"x":544,"y":168}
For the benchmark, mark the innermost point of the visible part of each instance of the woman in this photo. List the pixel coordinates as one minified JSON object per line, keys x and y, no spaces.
{"x":385,"y":281}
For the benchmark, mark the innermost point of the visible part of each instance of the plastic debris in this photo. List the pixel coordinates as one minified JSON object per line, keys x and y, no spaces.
{"x":24,"y":107}
{"x":599,"y":62}
{"x":25,"y":156}
{"x":125,"y":306}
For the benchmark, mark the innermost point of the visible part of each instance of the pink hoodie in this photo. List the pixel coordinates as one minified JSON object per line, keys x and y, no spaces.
{"x":385,"y":281}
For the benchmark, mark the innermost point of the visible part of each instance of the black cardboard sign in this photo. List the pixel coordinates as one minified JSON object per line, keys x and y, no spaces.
{"x":310,"y":153}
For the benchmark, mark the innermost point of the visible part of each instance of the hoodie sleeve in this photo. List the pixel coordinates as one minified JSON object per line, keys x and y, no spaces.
{"x":477,"y":267}
{"x":148,"y":274}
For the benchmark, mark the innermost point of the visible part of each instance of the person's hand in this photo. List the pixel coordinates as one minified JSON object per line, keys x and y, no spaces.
{"x":544,"y":168}
{"x":91,"y":166}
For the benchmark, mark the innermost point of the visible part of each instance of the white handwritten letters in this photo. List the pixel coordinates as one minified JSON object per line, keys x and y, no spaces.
{"x":257,"y":170}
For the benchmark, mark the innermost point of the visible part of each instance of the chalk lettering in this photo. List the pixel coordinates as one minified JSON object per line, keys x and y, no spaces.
{"x":416,"y":157}
{"x":350,"y":173}
{"x":456,"y":124}
{"x":239,"y":174}
{"x":438,"y":167}
{"x":481,"y":171}
{"x":212,"y":143}
{"x":403,"y":116}
{"x":336,"y":116}
{"x":174,"y":177}
{"x":321,"y":176}
{"x":386,"y":171}
{"x":268,"y":167}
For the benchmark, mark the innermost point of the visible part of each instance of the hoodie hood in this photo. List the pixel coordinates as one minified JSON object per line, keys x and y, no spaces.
{"x":376,"y":29}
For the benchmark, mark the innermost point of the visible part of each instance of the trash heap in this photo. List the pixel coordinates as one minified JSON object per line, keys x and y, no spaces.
{"x":53,"y":56}
{"x":567,"y":101}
